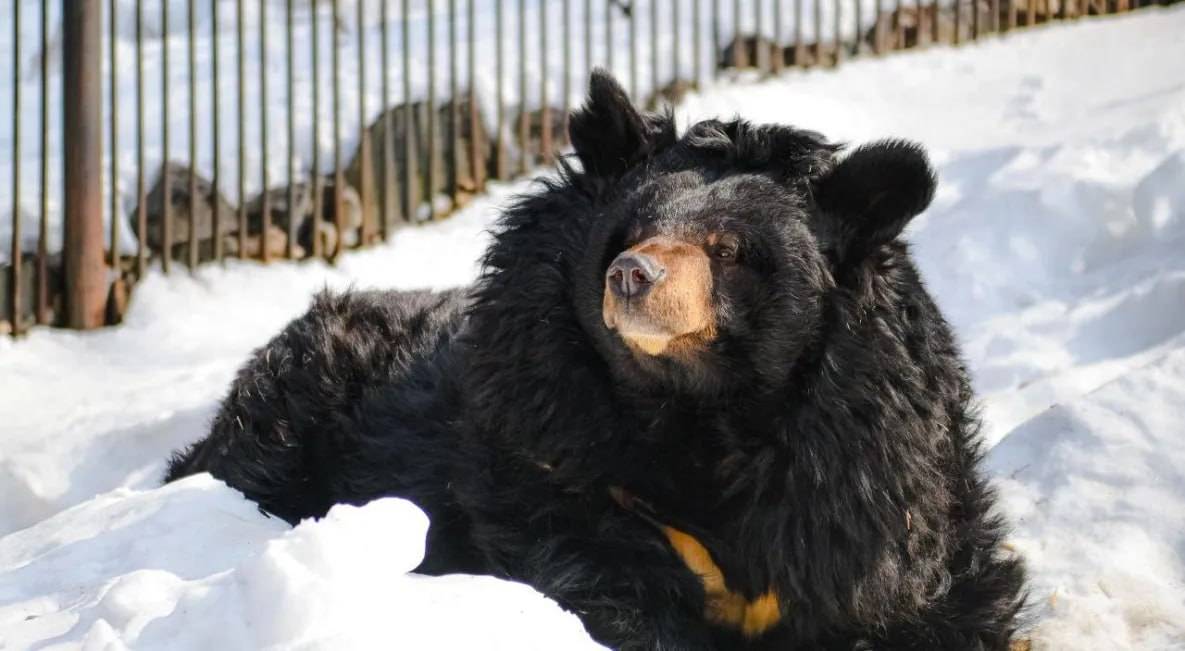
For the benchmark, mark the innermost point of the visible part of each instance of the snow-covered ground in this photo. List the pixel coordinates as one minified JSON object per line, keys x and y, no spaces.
{"x":1056,"y":245}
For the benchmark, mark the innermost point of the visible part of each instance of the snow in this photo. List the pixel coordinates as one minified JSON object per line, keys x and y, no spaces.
{"x":1054,"y":246}
{"x":128,"y":569}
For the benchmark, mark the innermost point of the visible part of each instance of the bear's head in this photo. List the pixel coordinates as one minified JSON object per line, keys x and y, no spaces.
{"x":718,"y":250}
{"x":666,"y":264}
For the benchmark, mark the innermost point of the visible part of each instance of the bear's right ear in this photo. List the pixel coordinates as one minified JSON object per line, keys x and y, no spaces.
{"x":609,"y":135}
{"x":870,"y":196}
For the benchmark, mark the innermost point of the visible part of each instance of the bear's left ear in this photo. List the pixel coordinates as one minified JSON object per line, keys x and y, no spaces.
{"x":609,"y":135}
{"x":870,"y":195}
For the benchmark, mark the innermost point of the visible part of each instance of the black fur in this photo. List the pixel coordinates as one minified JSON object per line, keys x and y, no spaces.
{"x":823,"y":446}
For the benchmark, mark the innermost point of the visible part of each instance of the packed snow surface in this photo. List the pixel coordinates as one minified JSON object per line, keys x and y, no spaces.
{"x":1055,"y":246}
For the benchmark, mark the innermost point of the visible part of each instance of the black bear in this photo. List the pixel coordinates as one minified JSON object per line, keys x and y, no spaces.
{"x":699,"y":396}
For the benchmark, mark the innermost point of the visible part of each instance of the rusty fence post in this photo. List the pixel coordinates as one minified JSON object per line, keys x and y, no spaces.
{"x":15,"y":315}
{"x":43,"y":300}
{"x":82,"y":105}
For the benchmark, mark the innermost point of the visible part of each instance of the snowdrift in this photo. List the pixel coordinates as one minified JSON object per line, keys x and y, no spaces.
{"x":194,"y":566}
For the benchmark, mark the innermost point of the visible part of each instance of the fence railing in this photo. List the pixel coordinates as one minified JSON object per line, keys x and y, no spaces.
{"x":433,"y":119}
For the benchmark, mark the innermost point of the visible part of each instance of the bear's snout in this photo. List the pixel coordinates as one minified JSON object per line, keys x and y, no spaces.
{"x":633,"y":274}
{"x":658,"y":296}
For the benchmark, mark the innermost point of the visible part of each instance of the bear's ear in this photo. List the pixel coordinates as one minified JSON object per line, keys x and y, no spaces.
{"x":869,"y":196}
{"x":609,"y":135}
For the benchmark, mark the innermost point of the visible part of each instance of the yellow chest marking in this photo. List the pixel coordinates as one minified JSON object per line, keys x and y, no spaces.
{"x":724,"y":607}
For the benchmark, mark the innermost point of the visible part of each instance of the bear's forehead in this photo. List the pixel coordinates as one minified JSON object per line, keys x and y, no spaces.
{"x":700,"y":199}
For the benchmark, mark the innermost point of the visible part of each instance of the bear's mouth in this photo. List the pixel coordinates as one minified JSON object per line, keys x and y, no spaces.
{"x":658,"y":298}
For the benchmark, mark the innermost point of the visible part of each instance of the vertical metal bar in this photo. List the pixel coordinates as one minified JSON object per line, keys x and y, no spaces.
{"x":655,"y":79}
{"x":433,"y":137}
{"x":191,"y":78}
{"x":524,"y":116}
{"x":778,"y":57}
{"x":290,"y":69}
{"x":936,"y":23}
{"x":1031,"y":15}
{"x":386,"y":200}
{"x":500,"y":163}
{"x":454,"y":109}
{"x":366,"y":169}
{"x":716,"y":39}
{"x":82,"y":97}
{"x":166,"y":238}
{"x":141,"y":196}
{"x":974,"y":19}
{"x":317,"y":241}
{"x":738,"y":46}
{"x":242,"y":127}
{"x":609,"y":36}
{"x":899,"y":25}
{"x":858,"y":15}
{"x":799,"y":45}
{"x":410,"y":149}
{"x":838,"y":36}
{"x":339,"y":179}
{"x":633,"y":23}
{"x":958,"y":20}
{"x":878,"y":36}
{"x":676,"y":45}
{"x":920,"y":23}
{"x":588,"y":37}
{"x":43,"y":311}
{"x":216,"y":181}
{"x":995,"y":9}
{"x":113,"y":79}
{"x":476,"y":146}
{"x":14,"y":290}
{"x":265,"y":227}
{"x":818,"y":32}
{"x":567,"y":85}
{"x":761,"y":58}
{"x":1012,"y":15}
{"x":696,"y":46}
{"x":544,"y":105}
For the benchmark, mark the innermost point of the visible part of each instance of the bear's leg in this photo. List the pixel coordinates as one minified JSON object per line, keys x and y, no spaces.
{"x":630,"y":600}
{"x":255,"y":443}
{"x":296,"y":432}
{"x":610,"y":568}
{"x":979,"y":612}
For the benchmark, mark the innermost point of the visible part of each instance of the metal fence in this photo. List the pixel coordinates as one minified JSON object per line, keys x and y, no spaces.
{"x":425,"y":154}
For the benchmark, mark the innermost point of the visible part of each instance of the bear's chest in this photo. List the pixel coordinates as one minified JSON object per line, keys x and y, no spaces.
{"x":691,"y":477}
{"x":732,"y":598}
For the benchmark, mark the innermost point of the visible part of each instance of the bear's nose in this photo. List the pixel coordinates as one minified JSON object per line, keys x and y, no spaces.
{"x":633,"y":274}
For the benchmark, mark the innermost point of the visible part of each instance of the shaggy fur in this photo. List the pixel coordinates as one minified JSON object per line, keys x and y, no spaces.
{"x":821,"y":447}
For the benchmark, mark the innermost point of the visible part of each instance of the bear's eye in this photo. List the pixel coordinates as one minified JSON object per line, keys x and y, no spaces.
{"x":726,"y":248}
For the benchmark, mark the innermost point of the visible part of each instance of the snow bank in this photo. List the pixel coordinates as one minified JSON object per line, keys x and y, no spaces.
{"x":1054,"y":246}
{"x":194,"y":566}
{"x":1096,"y":488}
